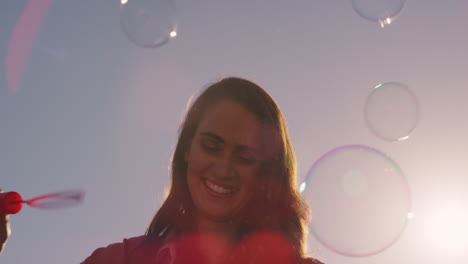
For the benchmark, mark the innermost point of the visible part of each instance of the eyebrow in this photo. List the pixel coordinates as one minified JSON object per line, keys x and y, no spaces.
{"x":220,"y":139}
{"x":212,"y":135}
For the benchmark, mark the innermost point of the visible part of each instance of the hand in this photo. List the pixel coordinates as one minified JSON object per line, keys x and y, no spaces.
{"x":4,"y":229}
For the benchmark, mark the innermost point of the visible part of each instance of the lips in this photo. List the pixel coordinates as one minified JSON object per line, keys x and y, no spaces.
{"x":219,"y":190}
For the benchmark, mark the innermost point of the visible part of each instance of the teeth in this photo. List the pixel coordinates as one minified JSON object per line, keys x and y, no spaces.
{"x":217,"y":188}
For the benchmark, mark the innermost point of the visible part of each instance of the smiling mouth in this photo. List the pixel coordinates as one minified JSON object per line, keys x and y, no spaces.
{"x":218,"y":189}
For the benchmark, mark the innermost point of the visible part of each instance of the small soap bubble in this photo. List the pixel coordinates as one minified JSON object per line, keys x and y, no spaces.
{"x":391,"y":111}
{"x":148,"y":23}
{"x":383,"y":12}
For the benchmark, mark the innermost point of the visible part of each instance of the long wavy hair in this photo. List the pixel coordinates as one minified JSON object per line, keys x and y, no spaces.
{"x":276,"y":205}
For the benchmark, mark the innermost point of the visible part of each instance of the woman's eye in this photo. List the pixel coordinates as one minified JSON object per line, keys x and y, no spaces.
{"x":209,"y":146}
{"x":247,"y":159}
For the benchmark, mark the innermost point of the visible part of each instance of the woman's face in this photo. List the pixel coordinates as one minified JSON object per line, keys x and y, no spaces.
{"x":224,"y":158}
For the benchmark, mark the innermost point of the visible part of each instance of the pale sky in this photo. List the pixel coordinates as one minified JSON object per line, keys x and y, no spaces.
{"x":94,"y":111}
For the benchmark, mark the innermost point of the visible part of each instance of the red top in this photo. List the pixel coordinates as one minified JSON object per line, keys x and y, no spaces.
{"x":143,"y":250}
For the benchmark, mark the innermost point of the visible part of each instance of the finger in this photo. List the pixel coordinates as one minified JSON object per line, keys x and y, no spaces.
{"x":4,"y":228}
{"x":3,"y":219}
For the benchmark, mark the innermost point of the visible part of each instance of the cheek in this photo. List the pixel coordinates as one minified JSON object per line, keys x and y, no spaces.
{"x":249,"y":181}
{"x":195,"y":159}
{"x":197,"y":165}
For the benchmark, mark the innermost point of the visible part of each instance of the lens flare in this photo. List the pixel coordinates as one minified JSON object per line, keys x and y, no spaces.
{"x":22,"y":39}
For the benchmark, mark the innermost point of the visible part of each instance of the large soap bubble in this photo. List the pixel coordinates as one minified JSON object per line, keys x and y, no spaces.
{"x":360,"y":200}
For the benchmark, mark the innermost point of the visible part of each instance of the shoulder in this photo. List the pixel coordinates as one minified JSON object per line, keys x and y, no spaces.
{"x":310,"y":261}
{"x":117,"y":253}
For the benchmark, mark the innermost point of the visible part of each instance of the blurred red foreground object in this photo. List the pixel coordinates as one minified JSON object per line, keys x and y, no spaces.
{"x":10,"y":203}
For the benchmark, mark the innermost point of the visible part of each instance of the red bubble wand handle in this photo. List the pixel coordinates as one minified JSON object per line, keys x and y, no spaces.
{"x":12,"y":202}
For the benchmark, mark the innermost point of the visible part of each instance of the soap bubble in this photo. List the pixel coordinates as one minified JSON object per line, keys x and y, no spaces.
{"x":391,"y":111}
{"x":359,"y":198}
{"x":148,"y":23}
{"x":381,"y":11}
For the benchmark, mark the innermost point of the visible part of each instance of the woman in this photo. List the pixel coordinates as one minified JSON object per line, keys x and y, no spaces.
{"x":232,"y":197}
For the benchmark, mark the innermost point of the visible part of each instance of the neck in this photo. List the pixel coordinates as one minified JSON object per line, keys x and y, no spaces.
{"x":223,"y":229}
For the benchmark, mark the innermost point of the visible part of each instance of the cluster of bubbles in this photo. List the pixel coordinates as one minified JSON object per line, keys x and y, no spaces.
{"x":359,"y":196}
{"x":152,"y":23}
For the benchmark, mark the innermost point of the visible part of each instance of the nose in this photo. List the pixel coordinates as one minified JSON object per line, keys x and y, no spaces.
{"x":223,"y":167}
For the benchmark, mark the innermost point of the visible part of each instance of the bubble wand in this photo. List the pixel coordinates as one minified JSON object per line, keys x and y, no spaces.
{"x":12,"y":202}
